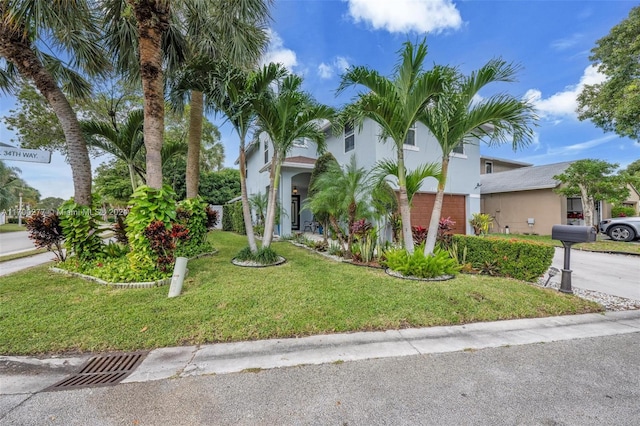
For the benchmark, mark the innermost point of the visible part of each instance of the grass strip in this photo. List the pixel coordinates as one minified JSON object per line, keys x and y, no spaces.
{"x":44,"y":312}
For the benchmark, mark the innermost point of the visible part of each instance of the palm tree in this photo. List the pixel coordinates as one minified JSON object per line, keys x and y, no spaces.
{"x":414,"y":178}
{"x":67,"y":27}
{"x":457,"y":117}
{"x":124,"y":142}
{"x":286,"y":115}
{"x":9,"y":183}
{"x":345,"y":194}
{"x":231,"y":32}
{"x":395,"y":104}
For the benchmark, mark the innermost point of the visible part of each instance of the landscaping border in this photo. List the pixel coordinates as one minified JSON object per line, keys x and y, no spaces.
{"x":395,"y":274}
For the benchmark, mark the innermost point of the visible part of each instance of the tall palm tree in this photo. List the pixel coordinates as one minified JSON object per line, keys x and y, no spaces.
{"x":68,"y":27}
{"x":414,"y":178}
{"x":456,"y":118}
{"x":124,"y":142}
{"x":396,"y":104}
{"x":232,"y":32}
{"x":286,"y":115}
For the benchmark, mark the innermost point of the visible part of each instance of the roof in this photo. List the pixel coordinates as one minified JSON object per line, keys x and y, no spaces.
{"x":523,"y":179}
{"x":503,"y":160}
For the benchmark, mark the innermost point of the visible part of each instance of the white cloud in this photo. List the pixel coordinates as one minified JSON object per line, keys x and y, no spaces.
{"x":564,"y":104}
{"x":568,"y":152}
{"x":402,"y":16}
{"x":566,"y":43}
{"x":277,"y":53}
{"x":327,"y":71}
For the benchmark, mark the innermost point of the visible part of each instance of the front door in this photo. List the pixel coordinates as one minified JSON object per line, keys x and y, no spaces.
{"x":295,"y":212}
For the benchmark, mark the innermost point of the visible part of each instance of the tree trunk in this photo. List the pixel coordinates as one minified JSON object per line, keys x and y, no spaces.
{"x":193,"y":150}
{"x":152,"y":17}
{"x":434,"y":223}
{"x":588,"y":206}
{"x":403,"y":201}
{"x":274,"y":180}
{"x":132,"y":176}
{"x":19,"y":52}
{"x":246,"y":209}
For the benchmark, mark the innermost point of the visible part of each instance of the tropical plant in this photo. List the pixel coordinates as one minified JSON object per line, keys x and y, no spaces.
{"x":258,"y":204}
{"x":457,"y":116}
{"x":396,"y":104}
{"x":80,"y":228}
{"x":286,"y":115}
{"x":481,"y":222}
{"x":385,"y":169}
{"x":321,"y":166}
{"x":419,"y":265}
{"x":69,"y":30}
{"x":46,"y":232}
{"x":124,"y":142}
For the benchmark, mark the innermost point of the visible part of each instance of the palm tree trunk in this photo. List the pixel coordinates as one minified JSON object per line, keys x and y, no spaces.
{"x":132,"y":176}
{"x":19,"y":52}
{"x":434,"y":223}
{"x":403,"y":201}
{"x":193,"y":146}
{"x":246,"y":209}
{"x":152,"y":17}
{"x":271,"y":203}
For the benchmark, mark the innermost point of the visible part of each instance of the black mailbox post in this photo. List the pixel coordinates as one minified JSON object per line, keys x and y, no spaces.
{"x":569,"y":235}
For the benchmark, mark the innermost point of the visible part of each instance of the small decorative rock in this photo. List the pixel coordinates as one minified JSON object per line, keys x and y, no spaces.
{"x":253,"y":264}
{"x":608,"y":301}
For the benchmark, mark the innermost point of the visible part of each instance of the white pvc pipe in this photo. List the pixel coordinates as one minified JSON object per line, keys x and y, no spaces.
{"x":179,"y":271}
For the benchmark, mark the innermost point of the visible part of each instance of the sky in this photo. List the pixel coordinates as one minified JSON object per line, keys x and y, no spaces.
{"x":549,"y":40}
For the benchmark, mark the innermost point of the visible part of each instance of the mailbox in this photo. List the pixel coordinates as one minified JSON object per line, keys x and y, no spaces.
{"x":573,"y":234}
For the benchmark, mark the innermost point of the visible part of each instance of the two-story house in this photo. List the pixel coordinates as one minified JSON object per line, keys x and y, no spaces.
{"x":462,"y":193}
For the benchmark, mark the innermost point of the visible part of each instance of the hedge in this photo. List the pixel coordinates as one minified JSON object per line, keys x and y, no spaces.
{"x":523,"y":260}
{"x":232,"y":218}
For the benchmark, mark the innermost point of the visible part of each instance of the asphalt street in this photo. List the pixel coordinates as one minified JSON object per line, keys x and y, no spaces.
{"x":590,"y":381}
{"x":12,"y":242}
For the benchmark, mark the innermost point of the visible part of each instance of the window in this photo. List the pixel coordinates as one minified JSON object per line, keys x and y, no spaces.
{"x":459,"y":149}
{"x":488,"y":167}
{"x":266,"y":152}
{"x":349,"y":137}
{"x":301,"y":143}
{"x":411,"y":136}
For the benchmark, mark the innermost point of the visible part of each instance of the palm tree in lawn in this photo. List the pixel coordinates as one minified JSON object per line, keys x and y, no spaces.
{"x":458,"y":117}
{"x":285,"y":115}
{"x":396,"y":104}
{"x":145,"y":36}
{"x":67,"y":27}
{"x":125,"y":142}
{"x":230,"y":32}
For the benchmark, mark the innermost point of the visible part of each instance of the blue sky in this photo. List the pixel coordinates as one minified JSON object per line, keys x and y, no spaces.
{"x":551,"y":40}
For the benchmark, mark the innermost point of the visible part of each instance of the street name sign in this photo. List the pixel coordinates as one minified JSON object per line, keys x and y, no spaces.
{"x":30,"y":155}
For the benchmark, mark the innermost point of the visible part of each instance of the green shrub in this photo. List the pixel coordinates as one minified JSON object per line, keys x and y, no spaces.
{"x":227,"y":223}
{"x":264,"y":255}
{"x":623,"y":211}
{"x":233,"y":218}
{"x":114,"y":270}
{"x":419,"y":265}
{"x":523,"y":260}
{"x":46,"y":232}
{"x":80,"y":229}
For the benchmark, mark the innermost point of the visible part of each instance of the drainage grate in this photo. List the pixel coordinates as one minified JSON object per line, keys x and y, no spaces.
{"x":104,"y":370}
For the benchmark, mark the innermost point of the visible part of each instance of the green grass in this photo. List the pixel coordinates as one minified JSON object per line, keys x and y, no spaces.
{"x":603,"y":243}
{"x":12,"y":227}
{"x":43,"y":312}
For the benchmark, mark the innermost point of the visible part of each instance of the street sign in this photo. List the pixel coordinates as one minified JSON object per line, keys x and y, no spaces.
{"x":30,"y":155}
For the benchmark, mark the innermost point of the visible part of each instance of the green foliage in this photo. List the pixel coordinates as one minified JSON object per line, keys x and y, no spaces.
{"x":148,"y":205}
{"x":419,"y":265}
{"x":80,"y":229}
{"x":114,"y":249}
{"x":623,"y":211}
{"x":115,"y":270}
{"x":232,"y":218}
{"x":111,"y":181}
{"x":215,"y":187}
{"x":513,"y":258}
{"x":264,"y":256}
{"x":481,"y":222}
{"x":614,"y":104}
{"x":192,"y":213}
{"x":46,"y":232}
{"x":227,"y":219}
{"x":322,"y":165}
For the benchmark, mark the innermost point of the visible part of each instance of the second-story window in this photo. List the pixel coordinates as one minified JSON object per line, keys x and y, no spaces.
{"x":349,"y":137}
{"x":459,"y":149}
{"x":411,"y":136}
{"x":266,"y":152}
{"x":488,"y":167}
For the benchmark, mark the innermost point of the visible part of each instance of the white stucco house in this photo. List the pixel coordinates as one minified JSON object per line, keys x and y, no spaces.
{"x":462,"y":193}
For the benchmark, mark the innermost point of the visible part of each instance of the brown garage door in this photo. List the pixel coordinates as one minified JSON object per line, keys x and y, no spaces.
{"x":453,"y":206}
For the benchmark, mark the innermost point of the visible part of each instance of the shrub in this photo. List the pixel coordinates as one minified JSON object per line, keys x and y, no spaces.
{"x":227,"y":223}
{"x":523,"y":260}
{"x":46,"y":232}
{"x":419,"y":265}
{"x":445,"y":232}
{"x":120,"y":230}
{"x":163,"y":242}
{"x":80,"y":229}
{"x":233,"y":218}
{"x":419,"y":235}
{"x":264,"y":256}
{"x":212,"y":217}
{"x":623,"y":211}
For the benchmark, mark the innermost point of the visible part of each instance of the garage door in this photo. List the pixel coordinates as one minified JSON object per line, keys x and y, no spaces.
{"x":453,"y":206}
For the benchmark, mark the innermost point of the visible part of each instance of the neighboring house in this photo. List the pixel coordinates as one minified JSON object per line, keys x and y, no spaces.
{"x":523,"y":199}
{"x":497,"y":165}
{"x":461,"y":201}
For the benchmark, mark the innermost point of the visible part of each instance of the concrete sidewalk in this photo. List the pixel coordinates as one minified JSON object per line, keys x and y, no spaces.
{"x":28,"y":375}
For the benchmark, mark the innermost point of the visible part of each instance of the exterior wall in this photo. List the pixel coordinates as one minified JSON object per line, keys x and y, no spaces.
{"x":514,"y":208}
{"x":453,"y":206}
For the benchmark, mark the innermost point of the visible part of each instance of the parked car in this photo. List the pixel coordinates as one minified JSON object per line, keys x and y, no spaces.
{"x":621,"y":228}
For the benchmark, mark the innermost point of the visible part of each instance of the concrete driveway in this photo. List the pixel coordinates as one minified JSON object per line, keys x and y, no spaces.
{"x":614,"y":274}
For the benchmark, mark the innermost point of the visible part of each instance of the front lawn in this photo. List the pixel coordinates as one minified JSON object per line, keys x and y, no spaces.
{"x":602,"y":244}
{"x":43,"y":312}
